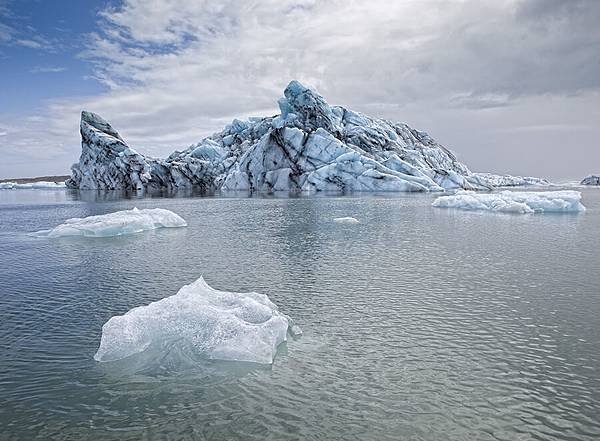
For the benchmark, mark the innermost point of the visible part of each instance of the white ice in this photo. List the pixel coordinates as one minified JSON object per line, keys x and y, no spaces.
{"x":514,"y":202}
{"x":346,"y":220}
{"x":116,"y":224}
{"x":31,"y":185}
{"x":215,"y":324}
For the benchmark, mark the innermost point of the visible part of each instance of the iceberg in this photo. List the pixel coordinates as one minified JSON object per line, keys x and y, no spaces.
{"x":591,"y":180}
{"x":218,"y":325}
{"x":116,"y":224}
{"x":514,"y":202}
{"x":346,"y":220}
{"x":31,"y":185}
{"x":310,"y":146}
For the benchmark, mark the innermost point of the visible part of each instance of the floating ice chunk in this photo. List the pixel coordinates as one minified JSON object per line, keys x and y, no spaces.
{"x":514,"y":202}
{"x":116,"y":224}
{"x":31,"y":185}
{"x":216,"y":324}
{"x":346,"y":220}
{"x":295,"y":330}
{"x":591,"y":180}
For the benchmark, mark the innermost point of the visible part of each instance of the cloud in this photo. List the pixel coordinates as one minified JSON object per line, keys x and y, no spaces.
{"x":48,"y":69}
{"x":177,"y":70}
{"x":14,"y":31}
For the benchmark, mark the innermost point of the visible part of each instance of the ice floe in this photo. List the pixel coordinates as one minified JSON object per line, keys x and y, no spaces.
{"x":218,"y":325}
{"x":31,"y":185}
{"x":346,"y":220}
{"x":116,"y":224}
{"x":514,"y":202}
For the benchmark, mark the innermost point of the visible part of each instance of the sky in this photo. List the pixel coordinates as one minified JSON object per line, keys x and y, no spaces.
{"x":511,"y":86}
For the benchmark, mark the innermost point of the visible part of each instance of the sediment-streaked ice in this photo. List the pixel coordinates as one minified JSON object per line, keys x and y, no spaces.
{"x":346,"y":220}
{"x":591,"y":180}
{"x":514,"y":202}
{"x":309,"y":147}
{"x":118,"y":223}
{"x":215,"y":324}
{"x":31,"y":185}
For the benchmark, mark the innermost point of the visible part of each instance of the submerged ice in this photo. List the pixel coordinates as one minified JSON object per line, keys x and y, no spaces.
{"x":215,"y":324}
{"x":514,"y":202}
{"x":309,"y":146}
{"x":116,"y":224}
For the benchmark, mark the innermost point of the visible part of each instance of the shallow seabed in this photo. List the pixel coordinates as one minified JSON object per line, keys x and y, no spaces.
{"x":419,"y":323}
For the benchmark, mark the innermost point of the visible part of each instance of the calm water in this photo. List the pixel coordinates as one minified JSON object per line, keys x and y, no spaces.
{"x":419,"y":323}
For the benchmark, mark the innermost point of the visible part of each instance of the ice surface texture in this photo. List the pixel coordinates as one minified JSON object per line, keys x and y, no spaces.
{"x":591,"y":180}
{"x":216,"y":324}
{"x":116,"y":224}
{"x":310,"y":146}
{"x":34,"y":185}
{"x":514,"y":202}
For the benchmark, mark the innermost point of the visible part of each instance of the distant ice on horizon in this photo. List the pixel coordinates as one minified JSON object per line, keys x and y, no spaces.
{"x":31,"y":185}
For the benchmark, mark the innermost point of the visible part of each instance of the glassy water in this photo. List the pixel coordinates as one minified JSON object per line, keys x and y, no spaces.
{"x":419,"y":323}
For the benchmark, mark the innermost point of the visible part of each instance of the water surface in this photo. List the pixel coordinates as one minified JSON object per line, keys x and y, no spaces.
{"x":419,"y":323}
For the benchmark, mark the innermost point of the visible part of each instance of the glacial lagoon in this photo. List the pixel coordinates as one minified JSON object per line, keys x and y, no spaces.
{"x":419,"y":322}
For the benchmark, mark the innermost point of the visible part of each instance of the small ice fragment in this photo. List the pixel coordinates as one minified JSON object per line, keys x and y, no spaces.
{"x":514,"y":202}
{"x":116,"y":224}
{"x":346,"y":220}
{"x":296,"y":331}
{"x":217,"y":324}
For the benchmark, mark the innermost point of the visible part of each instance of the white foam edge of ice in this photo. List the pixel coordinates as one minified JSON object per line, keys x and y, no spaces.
{"x":118,"y":223}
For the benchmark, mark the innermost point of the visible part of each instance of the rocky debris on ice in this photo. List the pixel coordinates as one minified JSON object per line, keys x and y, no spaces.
{"x":118,"y":223}
{"x":346,"y":220}
{"x":31,"y":185}
{"x":215,"y":324}
{"x":514,"y":202}
{"x":591,"y":180}
{"x":309,"y":146}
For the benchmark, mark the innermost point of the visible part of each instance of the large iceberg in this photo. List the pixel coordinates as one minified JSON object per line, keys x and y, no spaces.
{"x":31,"y":185}
{"x":591,"y":180}
{"x":116,"y":224}
{"x":215,"y":324}
{"x":309,"y":146}
{"x":514,"y":202}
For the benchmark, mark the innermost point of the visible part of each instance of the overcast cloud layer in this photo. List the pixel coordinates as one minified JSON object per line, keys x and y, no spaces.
{"x":511,"y":86}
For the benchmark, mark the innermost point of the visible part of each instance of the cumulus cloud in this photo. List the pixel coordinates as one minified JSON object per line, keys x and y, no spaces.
{"x":176,"y":70}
